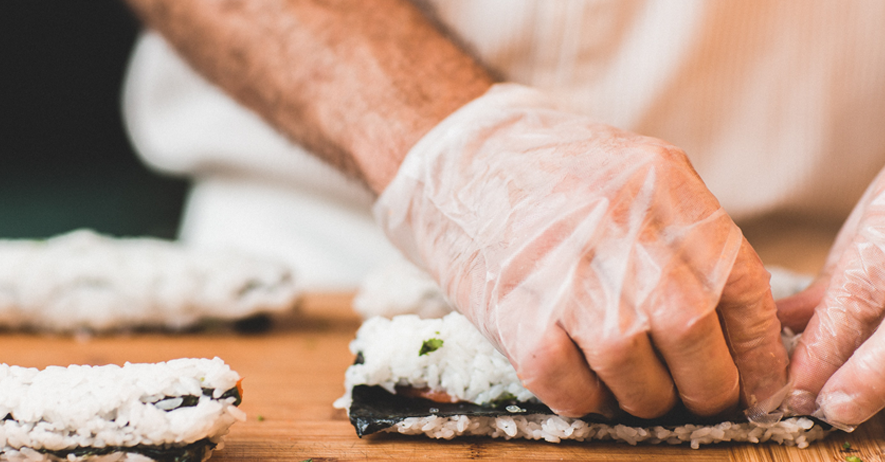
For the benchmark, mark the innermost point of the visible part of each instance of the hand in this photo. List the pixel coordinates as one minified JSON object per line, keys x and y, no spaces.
{"x":593,"y":258}
{"x":838,"y":367}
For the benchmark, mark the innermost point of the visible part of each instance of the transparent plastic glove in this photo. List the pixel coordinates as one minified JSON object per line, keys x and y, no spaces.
{"x":592,"y":258}
{"x":838,"y":367}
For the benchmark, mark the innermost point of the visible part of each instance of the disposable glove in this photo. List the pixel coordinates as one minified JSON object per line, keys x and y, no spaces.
{"x":593,"y":258}
{"x":838,"y":367}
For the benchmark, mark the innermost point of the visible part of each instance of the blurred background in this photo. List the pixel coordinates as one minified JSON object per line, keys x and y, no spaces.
{"x":65,"y":160}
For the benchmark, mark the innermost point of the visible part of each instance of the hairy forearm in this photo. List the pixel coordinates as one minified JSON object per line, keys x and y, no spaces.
{"x":357,"y":82}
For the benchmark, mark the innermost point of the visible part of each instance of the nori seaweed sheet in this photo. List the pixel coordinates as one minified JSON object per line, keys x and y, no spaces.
{"x":374,"y":409}
{"x":191,"y":400}
{"x":194,"y":452}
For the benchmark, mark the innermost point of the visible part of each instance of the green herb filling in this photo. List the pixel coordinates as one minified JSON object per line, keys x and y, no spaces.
{"x":430,"y":345}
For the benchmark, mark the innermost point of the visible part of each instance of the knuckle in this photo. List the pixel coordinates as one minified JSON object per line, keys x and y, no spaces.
{"x":664,"y":154}
{"x":858,"y":305}
{"x":749,"y":278}
{"x":612,"y":351}
{"x":686,"y":331}
{"x":547,"y":363}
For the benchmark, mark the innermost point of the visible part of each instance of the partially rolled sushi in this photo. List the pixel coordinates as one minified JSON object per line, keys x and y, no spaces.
{"x":443,"y":379}
{"x":173,"y":411}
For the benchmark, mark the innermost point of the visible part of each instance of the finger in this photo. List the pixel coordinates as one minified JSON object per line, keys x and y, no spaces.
{"x":697,"y":356}
{"x":847,"y":316}
{"x":796,"y":310}
{"x":852,"y":305}
{"x":854,"y":393}
{"x":556,"y":372}
{"x":869,"y":202}
{"x":749,"y":319}
{"x":692,"y":344}
{"x":630,"y":368}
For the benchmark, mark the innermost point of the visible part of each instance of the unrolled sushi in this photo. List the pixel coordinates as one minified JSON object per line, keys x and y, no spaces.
{"x":172,"y":411}
{"x":442,"y":379}
{"x":83,"y":281}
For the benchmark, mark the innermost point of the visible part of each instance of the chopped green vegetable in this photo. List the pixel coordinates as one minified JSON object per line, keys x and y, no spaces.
{"x":260,"y":418}
{"x":853,"y":459}
{"x":430,"y":345}
{"x":502,"y":399}
{"x":846,"y":445}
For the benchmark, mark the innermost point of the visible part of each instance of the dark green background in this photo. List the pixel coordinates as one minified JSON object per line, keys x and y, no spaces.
{"x":65,"y":160}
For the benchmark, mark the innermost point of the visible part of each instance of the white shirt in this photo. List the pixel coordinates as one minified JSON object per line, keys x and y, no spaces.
{"x":779,"y":104}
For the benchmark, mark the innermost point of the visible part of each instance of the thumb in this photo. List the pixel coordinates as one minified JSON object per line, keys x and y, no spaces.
{"x":797,"y":310}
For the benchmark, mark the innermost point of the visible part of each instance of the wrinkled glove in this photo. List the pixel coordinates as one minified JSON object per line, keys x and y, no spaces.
{"x":838,"y":367}
{"x":593,"y":258}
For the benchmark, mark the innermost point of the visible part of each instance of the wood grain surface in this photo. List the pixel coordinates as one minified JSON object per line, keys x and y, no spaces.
{"x":294,"y":372}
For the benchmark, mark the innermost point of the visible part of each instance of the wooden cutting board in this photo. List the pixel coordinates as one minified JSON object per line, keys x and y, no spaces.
{"x":294,"y":373}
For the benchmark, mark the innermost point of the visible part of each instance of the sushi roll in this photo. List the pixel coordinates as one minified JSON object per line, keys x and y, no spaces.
{"x":83,"y":281}
{"x":442,"y":379}
{"x":399,"y":287}
{"x":173,"y":411}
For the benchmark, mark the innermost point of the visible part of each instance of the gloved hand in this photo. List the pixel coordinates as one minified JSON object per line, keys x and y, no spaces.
{"x":592,"y":258}
{"x":838,"y":367}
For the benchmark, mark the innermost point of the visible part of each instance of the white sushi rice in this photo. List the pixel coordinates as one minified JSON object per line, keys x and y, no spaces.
{"x":86,"y":281}
{"x":551,"y":428}
{"x":400,"y":287}
{"x":467,"y":367}
{"x":62,"y":408}
{"x":785,"y":282}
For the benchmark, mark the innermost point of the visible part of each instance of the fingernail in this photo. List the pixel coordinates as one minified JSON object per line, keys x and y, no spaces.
{"x":800,"y":402}
{"x":605,"y":409}
{"x":840,"y":410}
{"x":766,"y":411}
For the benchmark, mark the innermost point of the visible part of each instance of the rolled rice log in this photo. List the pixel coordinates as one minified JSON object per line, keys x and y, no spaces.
{"x":85,"y":281}
{"x":173,"y":411}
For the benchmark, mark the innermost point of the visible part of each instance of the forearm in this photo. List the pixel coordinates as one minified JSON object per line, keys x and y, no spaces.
{"x":356,"y":82}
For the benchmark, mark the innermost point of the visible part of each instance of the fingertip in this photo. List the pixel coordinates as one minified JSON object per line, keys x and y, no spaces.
{"x":700,"y":363}
{"x":662,"y":404}
{"x":808,"y":374}
{"x":752,"y":327}
{"x":842,"y":410}
{"x":632,"y":370}
{"x":707,"y":405}
{"x":853,"y":394}
{"x":606,"y":407}
{"x":800,"y":402}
